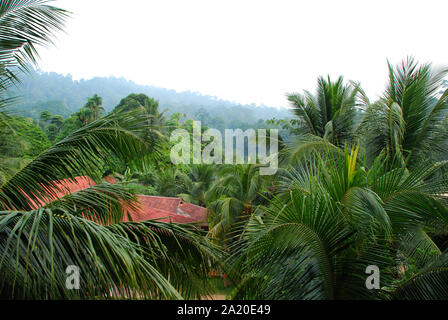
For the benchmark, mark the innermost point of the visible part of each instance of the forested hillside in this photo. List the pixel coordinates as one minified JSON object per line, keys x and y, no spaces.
{"x":62,"y":95}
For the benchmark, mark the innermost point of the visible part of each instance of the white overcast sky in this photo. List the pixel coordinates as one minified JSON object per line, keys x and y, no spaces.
{"x":246,"y":51}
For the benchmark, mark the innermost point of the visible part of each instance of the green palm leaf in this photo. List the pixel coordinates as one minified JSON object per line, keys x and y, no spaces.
{"x":38,"y":246}
{"x":25,"y":25}
{"x":429,"y":284}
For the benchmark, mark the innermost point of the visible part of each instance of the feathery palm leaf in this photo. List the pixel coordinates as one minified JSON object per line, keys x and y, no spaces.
{"x":315,"y":240}
{"x":428,"y":284}
{"x":25,"y":25}
{"x":331,"y":114}
{"x":180,"y":254}
{"x":409,"y":120}
{"x":38,"y":246}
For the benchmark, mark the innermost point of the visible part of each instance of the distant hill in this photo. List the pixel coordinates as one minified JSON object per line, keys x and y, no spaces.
{"x":62,"y":95}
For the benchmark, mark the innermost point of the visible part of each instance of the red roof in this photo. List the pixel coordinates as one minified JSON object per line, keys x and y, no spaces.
{"x":195,"y":212}
{"x":62,"y":188}
{"x":164,"y":208}
{"x":169,"y":209}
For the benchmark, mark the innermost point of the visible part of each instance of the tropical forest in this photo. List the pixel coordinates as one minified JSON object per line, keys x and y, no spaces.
{"x":88,"y":183}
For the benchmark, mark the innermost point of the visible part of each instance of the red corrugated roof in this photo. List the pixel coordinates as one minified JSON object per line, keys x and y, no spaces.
{"x":169,"y":209}
{"x":196,"y":212}
{"x":163,"y":203}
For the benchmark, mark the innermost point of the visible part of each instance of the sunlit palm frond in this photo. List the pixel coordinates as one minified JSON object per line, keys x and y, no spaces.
{"x":411,"y":198}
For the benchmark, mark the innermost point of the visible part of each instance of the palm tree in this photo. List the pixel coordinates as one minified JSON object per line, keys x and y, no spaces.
{"x":25,"y":25}
{"x":196,"y":182}
{"x":167,"y":181}
{"x":409,"y":121}
{"x":333,"y":220}
{"x":95,"y":104}
{"x":85,"y":116}
{"x":232,"y":201}
{"x":330,"y":116}
{"x":44,"y":228}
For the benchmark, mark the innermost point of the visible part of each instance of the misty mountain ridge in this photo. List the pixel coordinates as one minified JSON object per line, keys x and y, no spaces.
{"x":60,"y":94}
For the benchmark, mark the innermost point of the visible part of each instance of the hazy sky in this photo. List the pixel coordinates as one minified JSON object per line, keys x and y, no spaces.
{"x":246,"y":51}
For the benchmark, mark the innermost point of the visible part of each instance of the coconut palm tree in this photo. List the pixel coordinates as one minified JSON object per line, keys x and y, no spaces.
{"x":25,"y":25}
{"x":167,"y":181}
{"x":233,"y":199}
{"x":330,"y":116}
{"x":196,"y":182}
{"x":409,"y":121}
{"x":333,"y":220}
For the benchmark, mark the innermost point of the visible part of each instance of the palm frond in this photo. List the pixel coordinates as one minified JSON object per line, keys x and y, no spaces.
{"x":180,"y":253}
{"x":38,"y":246}
{"x":429,"y":284}
{"x":103,"y":203}
{"x":25,"y":25}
